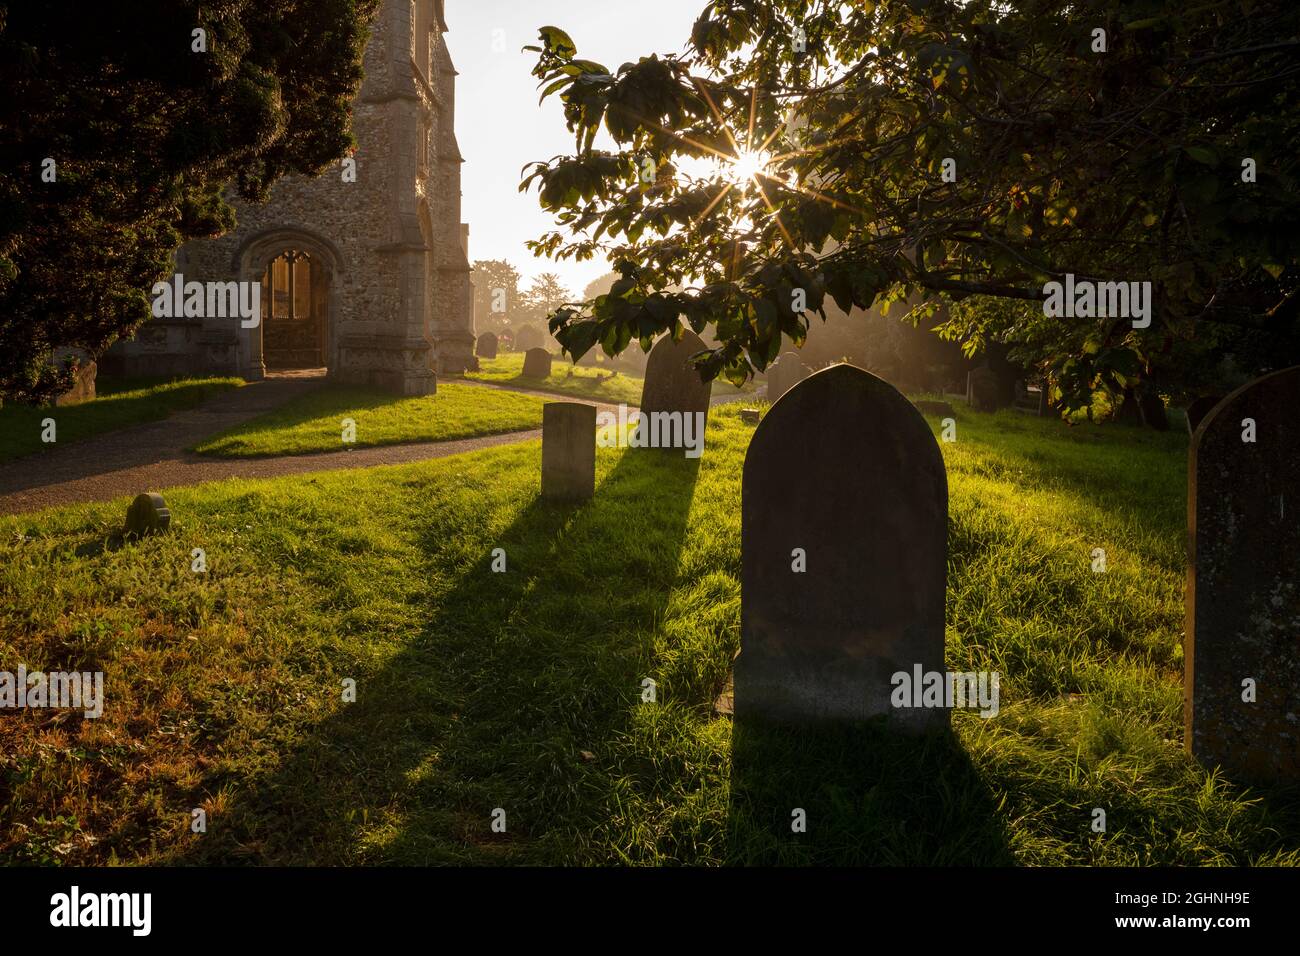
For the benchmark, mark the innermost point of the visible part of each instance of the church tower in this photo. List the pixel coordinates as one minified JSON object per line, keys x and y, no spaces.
{"x":364,"y":269}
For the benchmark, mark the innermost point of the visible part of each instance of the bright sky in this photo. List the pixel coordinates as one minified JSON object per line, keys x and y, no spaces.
{"x":501,"y":128}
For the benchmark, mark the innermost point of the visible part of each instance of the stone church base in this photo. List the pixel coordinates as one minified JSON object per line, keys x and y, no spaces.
{"x":392,"y":363}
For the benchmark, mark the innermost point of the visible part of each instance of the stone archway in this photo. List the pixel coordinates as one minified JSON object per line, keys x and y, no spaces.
{"x":298,"y":271}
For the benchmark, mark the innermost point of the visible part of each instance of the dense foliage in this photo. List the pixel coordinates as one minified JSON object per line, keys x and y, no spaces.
{"x":145,"y":130}
{"x":1113,"y":156}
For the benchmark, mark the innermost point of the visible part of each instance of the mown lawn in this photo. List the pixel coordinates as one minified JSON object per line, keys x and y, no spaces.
{"x":314,"y":422}
{"x":569,"y":379}
{"x":522,"y":691}
{"x":118,"y":404}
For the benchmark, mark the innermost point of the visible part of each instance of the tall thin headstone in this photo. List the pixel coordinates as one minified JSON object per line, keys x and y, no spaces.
{"x":568,"y":450}
{"x":844,"y":525}
{"x":1241,"y":680}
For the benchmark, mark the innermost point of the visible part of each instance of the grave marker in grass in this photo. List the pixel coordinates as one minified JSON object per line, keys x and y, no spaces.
{"x":537,"y":363}
{"x":1241,"y":681}
{"x":845,"y":474}
{"x":568,"y":451}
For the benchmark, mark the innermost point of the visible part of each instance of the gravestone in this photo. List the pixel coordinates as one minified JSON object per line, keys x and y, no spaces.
{"x":486,"y":346}
{"x":537,"y":363}
{"x":528,"y":338}
{"x":1044,"y":402}
{"x":1199,"y":408}
{"x":846,"y":469}
{"x":784,"y":374}
{"x":148,"y":514}
{"x":984,"y":390}
{"x":671,"y":384}
{"x":568,"y":450}
{"x":750,"y":416}
{"x":1243,"y":584}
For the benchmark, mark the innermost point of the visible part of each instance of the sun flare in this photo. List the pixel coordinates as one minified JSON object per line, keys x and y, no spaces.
{"x":746,"y":165}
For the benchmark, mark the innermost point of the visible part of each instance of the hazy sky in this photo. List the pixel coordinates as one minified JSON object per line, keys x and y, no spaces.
{"x":501,"y":128}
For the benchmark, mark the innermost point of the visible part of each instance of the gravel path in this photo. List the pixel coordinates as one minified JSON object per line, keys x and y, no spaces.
{"x":152,"y":457}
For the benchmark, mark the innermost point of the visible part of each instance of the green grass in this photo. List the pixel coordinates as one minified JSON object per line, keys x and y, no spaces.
{"x":522,"y":690}
{"x":118,"y":404}
{"x":314,"y":422}
{"x":569,"y":379}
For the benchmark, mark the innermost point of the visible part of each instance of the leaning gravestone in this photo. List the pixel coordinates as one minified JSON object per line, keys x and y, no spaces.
{"x":671,"y":384}
{"x":148,"y":514}
{"x":487,"y":346}
{"x":537,"y":363}
{"x":568,"y":450}
{"x":843,"y":479}
{"x":1241,"y":706}
{"x":784,"y":374}
{"x":527,"y":338}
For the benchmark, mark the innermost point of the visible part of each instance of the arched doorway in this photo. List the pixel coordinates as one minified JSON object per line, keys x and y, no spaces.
{"x":295,"y":305}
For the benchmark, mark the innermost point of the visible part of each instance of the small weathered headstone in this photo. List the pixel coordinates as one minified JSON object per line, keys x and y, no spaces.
{"x":671,"y":383}
{"x":1044,"y":402}
{"x":148,"y":514}
{"x":750,"y":416}
{"x":1241,"y":651}
{"x":1198,"y":409}
{"x":926,"y":407}
{"x":568,"y":450}
{"x":486,"y":346}
{"x":784,"y":374}
{"x":528,"y":338}
{"x":984,"y":390}
{"x":844,"y":525}
{"x":537,"y":363}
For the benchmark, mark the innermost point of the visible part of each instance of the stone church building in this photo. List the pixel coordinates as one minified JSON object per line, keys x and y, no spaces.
{"x":368,"y":278}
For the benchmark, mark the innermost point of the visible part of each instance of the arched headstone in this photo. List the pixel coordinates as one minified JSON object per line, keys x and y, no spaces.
{"x":486,"y":346}
{"x":844,"y":525}
{"x":537,"y":363}
{"x":1241,"y":652}
{"x":671,"y":384}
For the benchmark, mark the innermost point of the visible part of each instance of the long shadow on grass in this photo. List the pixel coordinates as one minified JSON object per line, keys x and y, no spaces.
{"x":869,"y":796}
{"x":515,"y":675}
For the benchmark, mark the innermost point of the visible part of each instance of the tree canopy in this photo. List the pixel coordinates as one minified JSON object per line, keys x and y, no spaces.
{"x":146,"y":121}
{"x":970,"y":151}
